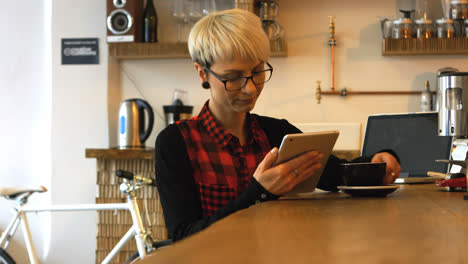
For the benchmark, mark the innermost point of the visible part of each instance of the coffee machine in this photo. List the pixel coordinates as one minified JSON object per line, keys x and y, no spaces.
{"x":453,"y":115}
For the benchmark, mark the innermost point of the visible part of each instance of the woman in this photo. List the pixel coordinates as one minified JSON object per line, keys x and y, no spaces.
{"x":221,"y":161}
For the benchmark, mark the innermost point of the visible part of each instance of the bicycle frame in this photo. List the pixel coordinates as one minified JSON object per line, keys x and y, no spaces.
{"x":137,"y":230}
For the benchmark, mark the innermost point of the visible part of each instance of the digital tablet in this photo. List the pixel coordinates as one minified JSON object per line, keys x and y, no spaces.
{"x":294,"y":145}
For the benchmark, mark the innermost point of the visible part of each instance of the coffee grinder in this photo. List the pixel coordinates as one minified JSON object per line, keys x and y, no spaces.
{"x":453,"y":111}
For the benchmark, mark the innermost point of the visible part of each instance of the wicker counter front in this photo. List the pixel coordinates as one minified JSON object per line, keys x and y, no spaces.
{"x":113,"y":225}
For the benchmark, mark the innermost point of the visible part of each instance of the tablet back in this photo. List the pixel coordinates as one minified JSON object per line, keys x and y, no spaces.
{"x":296,"y":144}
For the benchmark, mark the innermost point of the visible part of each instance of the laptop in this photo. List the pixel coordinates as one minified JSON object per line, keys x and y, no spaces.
{"x":414,"y":137}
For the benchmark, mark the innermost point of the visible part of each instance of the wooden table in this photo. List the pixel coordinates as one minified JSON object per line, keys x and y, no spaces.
{"x":415,"y":224}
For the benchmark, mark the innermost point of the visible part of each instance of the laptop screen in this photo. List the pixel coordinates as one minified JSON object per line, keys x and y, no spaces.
{"x":413,"y":137}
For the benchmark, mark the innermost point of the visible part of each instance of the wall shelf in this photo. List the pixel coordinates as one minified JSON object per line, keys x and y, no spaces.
{"x":401,"y":47}
{"x":160,"y":50}
{"x":148,"y":50}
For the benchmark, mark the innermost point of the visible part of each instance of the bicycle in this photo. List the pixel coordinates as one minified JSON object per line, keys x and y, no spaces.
{"x":131,"y":183}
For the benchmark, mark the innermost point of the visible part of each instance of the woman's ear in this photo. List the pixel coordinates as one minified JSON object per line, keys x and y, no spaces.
{"x":201,"y":72}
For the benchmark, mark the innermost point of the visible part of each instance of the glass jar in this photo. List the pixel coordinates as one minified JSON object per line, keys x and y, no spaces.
{"x":424,"y":28}
{"x":466,"y":28}
{"x":402,"y":29}
{"x":459,"y":9}
{"x":445,"y":28}
{"x":387,"y":26}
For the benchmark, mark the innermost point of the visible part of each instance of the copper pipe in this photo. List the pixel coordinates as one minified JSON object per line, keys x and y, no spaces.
{"x":332,"y":86}
{"x":373,"y":93}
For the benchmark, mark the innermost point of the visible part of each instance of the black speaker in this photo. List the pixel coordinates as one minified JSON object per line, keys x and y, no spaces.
{"x":124,"y":20}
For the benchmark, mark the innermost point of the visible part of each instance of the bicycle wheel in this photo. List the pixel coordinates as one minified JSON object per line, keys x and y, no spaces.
{"x":5,"y":258}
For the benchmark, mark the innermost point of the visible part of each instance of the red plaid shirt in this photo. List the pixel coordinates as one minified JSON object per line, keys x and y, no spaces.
{"x":222,"y":167}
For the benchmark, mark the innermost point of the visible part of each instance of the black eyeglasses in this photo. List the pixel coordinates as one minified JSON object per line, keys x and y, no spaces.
{"x":257,"y":77}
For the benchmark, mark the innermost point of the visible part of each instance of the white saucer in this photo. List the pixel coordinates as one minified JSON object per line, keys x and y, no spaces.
{"x":369,"y":191}
{"x":379,"y":187}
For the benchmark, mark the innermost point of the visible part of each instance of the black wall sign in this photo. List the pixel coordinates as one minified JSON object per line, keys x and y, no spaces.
{"x":80,"y":51}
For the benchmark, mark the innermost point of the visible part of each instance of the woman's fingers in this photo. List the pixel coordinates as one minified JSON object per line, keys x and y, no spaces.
{"x":307,"y":159}
{"x":282,"y":178}
{"x":303,"y":172}
{"x":393,"y":167}
{"x":268,"y":161}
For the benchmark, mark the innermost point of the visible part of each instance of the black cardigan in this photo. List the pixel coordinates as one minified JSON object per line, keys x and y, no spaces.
{"x":178,"y":191}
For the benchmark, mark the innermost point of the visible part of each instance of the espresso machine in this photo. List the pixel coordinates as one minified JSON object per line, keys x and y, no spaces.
{"x":453,"y":116}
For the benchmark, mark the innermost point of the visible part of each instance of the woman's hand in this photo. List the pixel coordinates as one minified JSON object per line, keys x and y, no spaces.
{"x":282,"y":178}
{"x":393,"y":167}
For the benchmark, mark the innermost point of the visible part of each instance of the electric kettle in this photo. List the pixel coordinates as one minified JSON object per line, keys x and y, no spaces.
{"x":132,"y":132}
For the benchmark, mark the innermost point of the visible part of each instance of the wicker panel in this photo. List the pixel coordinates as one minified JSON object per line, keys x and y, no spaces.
{"x":112,"y":225}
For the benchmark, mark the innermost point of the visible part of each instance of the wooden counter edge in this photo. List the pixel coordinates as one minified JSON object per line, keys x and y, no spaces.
{"x":121,"y":154}
{"x":148,"y":154}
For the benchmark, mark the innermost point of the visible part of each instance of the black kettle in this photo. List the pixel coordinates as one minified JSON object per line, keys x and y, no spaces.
{"x":132,"y":131}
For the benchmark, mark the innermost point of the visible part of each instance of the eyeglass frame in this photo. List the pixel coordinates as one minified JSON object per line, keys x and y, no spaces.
{"x":246,"y":77}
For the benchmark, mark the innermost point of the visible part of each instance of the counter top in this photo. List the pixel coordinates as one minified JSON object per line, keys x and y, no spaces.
{"x":121,"y":154}
{"x":415,"y":224}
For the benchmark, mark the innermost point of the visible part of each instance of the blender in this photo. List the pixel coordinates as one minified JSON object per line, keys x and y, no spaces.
{"x":178,"y":110}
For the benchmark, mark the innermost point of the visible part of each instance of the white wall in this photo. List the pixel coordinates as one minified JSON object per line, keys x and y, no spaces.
{"x":291,"y":92}
{"x":79,"y":117}
{"x":51,"y":113}
{"x":25,"y":94}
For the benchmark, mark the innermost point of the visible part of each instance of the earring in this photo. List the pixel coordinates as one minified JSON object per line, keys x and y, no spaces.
{"x":206,"y":85}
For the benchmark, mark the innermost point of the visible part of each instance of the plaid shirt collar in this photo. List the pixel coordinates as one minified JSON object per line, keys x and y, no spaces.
{"x":219,"y":134}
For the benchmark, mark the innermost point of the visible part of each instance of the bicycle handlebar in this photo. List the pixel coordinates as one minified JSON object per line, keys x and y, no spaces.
{"x":124,"y":174}
{"x":130,"y":176}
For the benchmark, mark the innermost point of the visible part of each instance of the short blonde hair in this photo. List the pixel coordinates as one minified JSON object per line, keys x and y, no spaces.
{"x":225,"y":34}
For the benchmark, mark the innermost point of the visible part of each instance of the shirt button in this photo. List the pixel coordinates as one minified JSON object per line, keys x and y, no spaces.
{"x":257,"y":202}
{"x":263,"y":196}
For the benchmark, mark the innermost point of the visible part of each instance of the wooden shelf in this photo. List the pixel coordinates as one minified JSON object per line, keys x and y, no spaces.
{"x":148,"y":50}
{"x":121,"y":154}
{"x":177,"y":50}
{"x":399,"y":47}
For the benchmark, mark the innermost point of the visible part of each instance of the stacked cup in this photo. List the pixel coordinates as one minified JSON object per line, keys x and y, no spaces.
{"x":267,"y":11}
